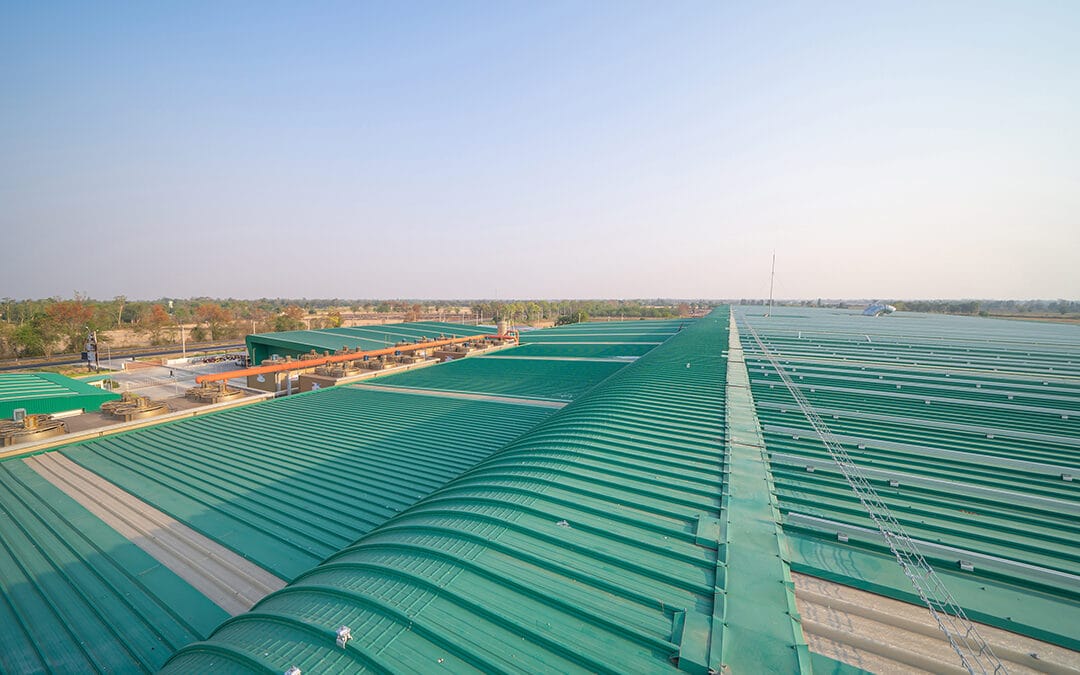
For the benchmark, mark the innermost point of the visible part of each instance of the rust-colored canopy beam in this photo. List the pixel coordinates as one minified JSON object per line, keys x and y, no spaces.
{"x":351,"y":356}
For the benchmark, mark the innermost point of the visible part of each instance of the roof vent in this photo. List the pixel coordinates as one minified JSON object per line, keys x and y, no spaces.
{"x":841,"y":537}
{"x":293,"y":670}
{"x":966,"y":565}
{"x":344,"y":634}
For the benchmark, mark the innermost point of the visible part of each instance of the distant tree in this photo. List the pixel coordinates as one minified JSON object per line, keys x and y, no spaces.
{"x":70,"y":319}
{"x":119,"y":302}
{"x":333,"y":319}
{"x":291,"y":318}
{"x":576,"y":317}
{"x":155,"y":320}
{"x":35,"y":337}
{"x":216,"y":318}
{"x":533,"y":312}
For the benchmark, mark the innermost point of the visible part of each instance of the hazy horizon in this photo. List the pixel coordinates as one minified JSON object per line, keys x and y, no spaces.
{"x":547,"y":150}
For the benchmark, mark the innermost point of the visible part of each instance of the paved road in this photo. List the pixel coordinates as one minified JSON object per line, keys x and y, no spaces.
{"x":72,"y":359}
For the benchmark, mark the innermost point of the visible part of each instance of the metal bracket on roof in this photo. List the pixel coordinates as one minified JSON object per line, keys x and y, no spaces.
{"x":691,"y":631}
{"x":708,"y":531}
{"x":344,"y":634}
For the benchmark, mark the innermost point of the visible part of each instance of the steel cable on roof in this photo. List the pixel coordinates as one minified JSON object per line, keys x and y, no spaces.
{"x":975,"y":654}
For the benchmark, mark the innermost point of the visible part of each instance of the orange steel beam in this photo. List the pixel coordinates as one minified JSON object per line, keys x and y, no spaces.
{"x":350,"y":356}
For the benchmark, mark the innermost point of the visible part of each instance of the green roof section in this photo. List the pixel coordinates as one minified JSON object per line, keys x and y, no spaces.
{"x":548,"y":380}
{"x":590,"y":544}
{"x":288,"y":482}
{"x":969,"y":429}
{"x":283,"y":483}
{"x":571,"y":350}
{"x":48,"y":393}
{"x":294,"y":343}
{"x":642,"y":334}
{"x":78,"y":597}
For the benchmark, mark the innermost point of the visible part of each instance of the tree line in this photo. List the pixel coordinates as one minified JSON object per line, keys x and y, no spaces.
{"x":50,"y":326}
{"x":56,"y":325}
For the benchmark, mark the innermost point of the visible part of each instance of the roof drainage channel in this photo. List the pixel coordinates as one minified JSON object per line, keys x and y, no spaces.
{"x":758,"y":586}
{"x":227,"y":579}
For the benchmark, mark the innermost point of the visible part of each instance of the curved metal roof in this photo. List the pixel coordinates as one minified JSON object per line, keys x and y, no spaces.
{"x":593,"y":543}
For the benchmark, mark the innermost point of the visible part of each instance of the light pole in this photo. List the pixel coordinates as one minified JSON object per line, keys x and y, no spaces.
{"x":183,"y":342}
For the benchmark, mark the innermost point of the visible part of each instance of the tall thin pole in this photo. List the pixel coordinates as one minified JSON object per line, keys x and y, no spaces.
{"x":772,"y":277}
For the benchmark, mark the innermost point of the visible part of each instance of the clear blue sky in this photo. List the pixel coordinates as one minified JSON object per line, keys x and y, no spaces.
{"x":544,"y":149}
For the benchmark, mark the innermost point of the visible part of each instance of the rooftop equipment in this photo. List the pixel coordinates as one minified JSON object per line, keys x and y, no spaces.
{"x":134,"y":407}
{"x":213,"y":392}
{"x":22,"y":428}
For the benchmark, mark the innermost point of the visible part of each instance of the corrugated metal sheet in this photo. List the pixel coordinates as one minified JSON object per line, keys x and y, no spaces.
{"x":570,"y":350}
{"x":288,"y":482}
{"x":969,"y":429}
{"x":293,"y":343}
{"x":641,"y":334}
{"x":77,"y":597}
{"x":549,"y":380}
{"x":48,"y":393}
{"x":590,"y":544}
{"x":283,"y":483}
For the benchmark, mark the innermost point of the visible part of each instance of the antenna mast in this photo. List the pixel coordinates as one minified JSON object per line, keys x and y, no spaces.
{"x":772,"y":278}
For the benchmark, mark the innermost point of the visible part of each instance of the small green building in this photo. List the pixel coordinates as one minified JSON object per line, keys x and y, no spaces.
{"x":48,"y":393}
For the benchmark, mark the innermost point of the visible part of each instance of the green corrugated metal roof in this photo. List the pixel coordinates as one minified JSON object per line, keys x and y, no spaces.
{"x":590,"y":544}
{"x":283,"y":483}
{"x":286,"y":483}
{"x":48,"y":393}
{"x":570,"y":350}
{"x":547,"y":379}
{"x":641,"y":333}
{"x":976,"y":421}
{"x":292,"y":343}
{"x":76,"y":596}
